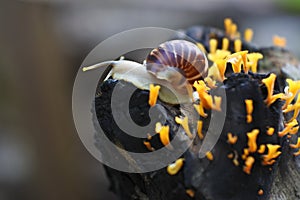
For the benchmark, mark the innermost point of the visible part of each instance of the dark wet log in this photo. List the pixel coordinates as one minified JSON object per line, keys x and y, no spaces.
{"x":209,"y":180}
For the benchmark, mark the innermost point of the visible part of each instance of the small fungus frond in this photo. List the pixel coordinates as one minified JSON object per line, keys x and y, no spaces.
{"x":252,"y":136}
{"x":248,"y":35}
{"x":232,"y":139}
{"x":270,"y":131}
{"x":174,"y":168}
{"x":248,"y":164}
{"x":253,"y":60}
{"x":199,"y":129}
{"x":249,"y":109}
{"x":279,"y":41}
{"x":153,"y":94}
{"x":273,"y":153}
{"x":209,"y":156}
{"x":185,"y":125}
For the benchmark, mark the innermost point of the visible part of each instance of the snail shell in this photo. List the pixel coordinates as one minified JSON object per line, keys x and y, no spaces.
{"x":181,"y":55}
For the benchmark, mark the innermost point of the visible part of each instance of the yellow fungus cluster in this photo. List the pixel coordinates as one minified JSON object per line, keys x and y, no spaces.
{"x":279,"y":41}
{"x":248,"y":35}
{"x":206,"y":100}
{"x":270,"y":131}
{"x":269,"y":82}
{"x":294,"y":107}
{"x":253,"y":60}
{"x":213,"y":44}
{"x":153,"y":94}
{"x":190,"y":192}
{"x":210,"y":83}
{"x":252,"y":137}
{"x":249,"y":110}
{"x":245,"y":154}
{"x":199,"y":129}
{"x":164,"y":135}
{"x":262,"y":149}
{"x":293,"y":89}
{"x":209,"y":156}
{"x":221,"y":57}
{"x":290,"y":128}
{"x":296,"y":146}
{"x":248,"y":164}
{"x":174,"y":168}
{"x":185,"y":125}
{"x":231,"y":28}
{"x":148,"y":146}
{"x":260,"y":192}
{"x":232,"y":139}
{"x":273,"y":153}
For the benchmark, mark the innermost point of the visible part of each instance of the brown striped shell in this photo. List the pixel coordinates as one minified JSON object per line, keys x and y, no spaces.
{"x":185,"y":56}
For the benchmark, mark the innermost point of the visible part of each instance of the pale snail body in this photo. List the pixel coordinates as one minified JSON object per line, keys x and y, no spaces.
{"x":183,"y":56}
{"x":174,"y":64}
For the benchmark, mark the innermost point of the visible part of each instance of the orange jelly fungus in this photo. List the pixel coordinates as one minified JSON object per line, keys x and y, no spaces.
{"x":190,"y":192}
{"x":174,"y":168}
{"x":148,"y":146}
{"x":248,"y":165}
{"x":153,"y":94}
{"x":164,"y":135}
{"x":225,"y":44}
{"x":209,"y":156}
{"x":262,"y":149}
{"x":297,"y":153}
{"x":199,"y":129}
{"x":248,"y":35}
{"x":269,"y":82}
{"x":273,"y":153}
{"x":230,"y":156}
{"x":252,"y":136}
{"x":237,"y":45}
{"x":206,"y":100}
{"x":218,"y":55}
{"x":293,"y":107}
{"x":295,"y":146}
{"x":231,"y":138}
{"x":213,"y":43}
{"x":210,"y":83}
{"x":249,"y":109}
{"x":245,"y":154}
{"x":227,"y":25}
{"x":185,"y":125}
{"x":199,"y":108}
{"x":244,"y":59}
{"x":293,"y":89}
{"x":221,"y":64}
{"x":236,"y":61}
{"x":290,"y":128}
{"x":233,"y":31}
{"x":253,"y":60}
{"x":270,"y":131}
{"x":260,"y":192}
{"x":279,"y":41}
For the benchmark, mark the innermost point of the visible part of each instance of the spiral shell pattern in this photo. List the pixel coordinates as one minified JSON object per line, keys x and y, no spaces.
{"x":181,"y":54}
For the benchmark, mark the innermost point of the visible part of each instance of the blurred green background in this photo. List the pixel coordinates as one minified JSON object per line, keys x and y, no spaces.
{"x":42,"y":45}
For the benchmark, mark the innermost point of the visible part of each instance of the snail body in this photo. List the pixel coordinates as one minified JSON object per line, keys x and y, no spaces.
{"x":175,"y":64}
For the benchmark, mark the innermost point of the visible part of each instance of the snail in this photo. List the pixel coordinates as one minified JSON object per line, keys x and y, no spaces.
{"x":175,"y":64}
{"x":180,"y":55}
